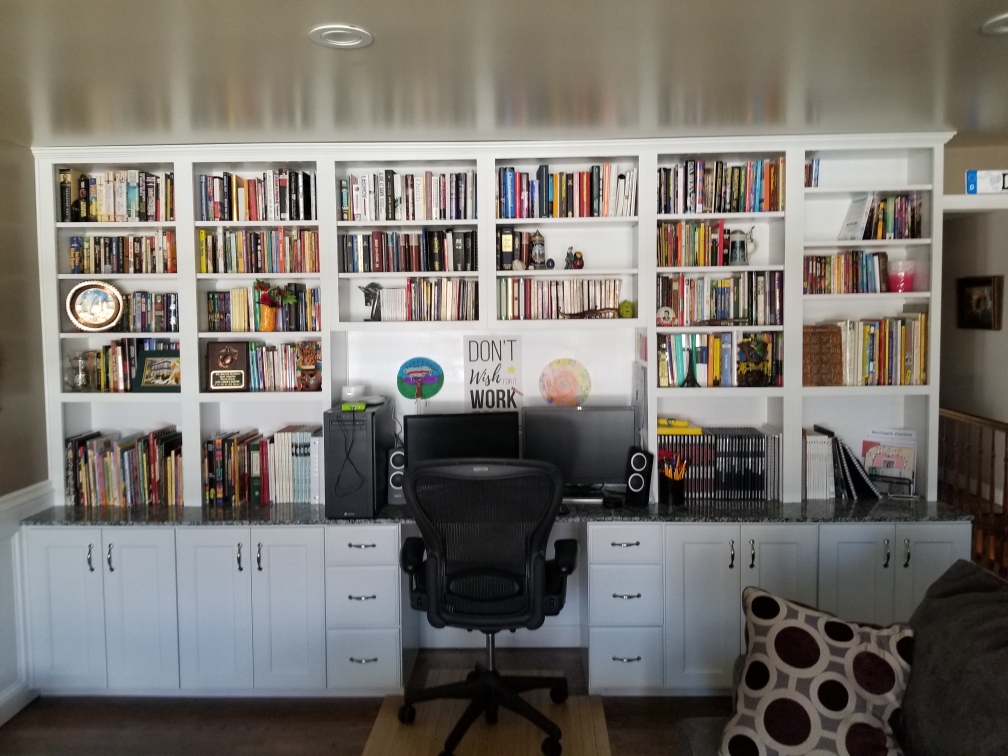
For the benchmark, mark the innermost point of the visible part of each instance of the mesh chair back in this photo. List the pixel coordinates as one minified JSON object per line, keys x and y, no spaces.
{"x":485,"y":524}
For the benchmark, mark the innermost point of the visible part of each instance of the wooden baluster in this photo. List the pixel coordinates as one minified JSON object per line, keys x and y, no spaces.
{"x":955,"y":460}
{"x":1004,"y":543}
{"x":943,"y":456}
{"x":993,"y":454}
{"x":979,"y":465}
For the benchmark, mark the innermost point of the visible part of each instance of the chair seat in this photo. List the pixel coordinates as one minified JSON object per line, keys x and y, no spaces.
{"x":700,"y":736}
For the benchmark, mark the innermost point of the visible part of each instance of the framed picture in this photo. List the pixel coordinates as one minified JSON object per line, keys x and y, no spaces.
{"x":94,"y":306}
{"x":158,"y":371}
{"x":979,"y":302}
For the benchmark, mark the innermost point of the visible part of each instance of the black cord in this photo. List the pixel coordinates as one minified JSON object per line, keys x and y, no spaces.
{"x":347,"y":458}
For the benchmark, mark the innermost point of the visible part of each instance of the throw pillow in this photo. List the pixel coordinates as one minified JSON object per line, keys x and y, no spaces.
{"x":815,"y":685}
{"x":957,"y":699}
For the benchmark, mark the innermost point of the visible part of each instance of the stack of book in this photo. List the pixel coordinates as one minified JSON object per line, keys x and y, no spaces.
{"x":258,"y":251}
{"x":120,"y":196}
{"x":601,"y":191}
{"x":812,"y":173}
{"x":280,"y":195}
{"x":853,"y":272}
{"x":397,"y":252}
{"x":390,"y":196}
{"x":252,"y":468}
{"x":688,"y":360}
{"x":830,"y":470}
{"x":431,"y":299}
{"x":149,"y":312}
{"x":142,"y":469}
{"x":755,"y":298}
{"x":552,"y":299}
{"x":118,"y":367}
{"x":714,"y":186}
{"x":869,"y":352}
{"x":692,"y":243}
{"x":725,"y":463}
{"x":254,"y":366}
{"x":153,"y":253}
{"x":881,"y":216}
{"x":242,"y":310}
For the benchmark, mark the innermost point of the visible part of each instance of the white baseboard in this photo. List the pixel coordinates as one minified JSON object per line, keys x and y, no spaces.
{"x":13,"y":699}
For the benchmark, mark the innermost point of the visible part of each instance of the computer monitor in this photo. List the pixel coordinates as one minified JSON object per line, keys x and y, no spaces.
{"x":476,"y":434}
{"x":588,"y":444}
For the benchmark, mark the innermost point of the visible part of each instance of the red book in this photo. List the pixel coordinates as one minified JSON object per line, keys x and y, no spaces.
{"x":414,"y":252}
{"x":585,"y":194}
{"x":377,"y":252}
{"x":252,"y":192}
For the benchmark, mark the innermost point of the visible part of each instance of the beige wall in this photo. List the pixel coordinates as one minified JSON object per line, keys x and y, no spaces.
{"x":22,"y":403}
{"x":959,"y":159}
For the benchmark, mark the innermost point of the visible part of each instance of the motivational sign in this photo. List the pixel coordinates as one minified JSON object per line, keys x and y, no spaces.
{"x":493,"y":373}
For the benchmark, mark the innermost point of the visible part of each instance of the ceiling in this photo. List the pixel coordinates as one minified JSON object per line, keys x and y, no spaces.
{"x":174,"y":71}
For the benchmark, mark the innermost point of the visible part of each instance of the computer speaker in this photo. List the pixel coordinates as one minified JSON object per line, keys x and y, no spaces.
{"x":638,"y":477}
{"x":396,"y":470}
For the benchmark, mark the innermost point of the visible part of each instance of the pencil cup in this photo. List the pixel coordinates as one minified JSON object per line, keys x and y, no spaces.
{"x":673,"y":492}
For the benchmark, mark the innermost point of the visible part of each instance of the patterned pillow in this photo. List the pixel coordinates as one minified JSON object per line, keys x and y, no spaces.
{"x":815,"y":685}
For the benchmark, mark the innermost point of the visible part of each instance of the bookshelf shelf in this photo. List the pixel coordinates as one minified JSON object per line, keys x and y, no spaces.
{"x":441,"y":223}
{"x":812,"y":192}
{"x":170,"y":335}
{"x":887,"y":296}
{"x":866,"y":390}
{"x":568,"y":323}
{"x":253,"y":276}
{"x":394,"y":326}
{"x":616,"y":220}
{"x":261,"y":335}
{"x":726,"y":269}
{"x":775,"y":215}
{"x":961,"y":204}
{"x":720,"y":329}
{"x":245,"y":397}
{"x":256,"y":224}
{"x":124,"y":397}
{"x":720,"y":391}
{"x":118,"y":276}
{"x":416,"y":274}
{"x":78,"y":225}
{"x":865,"y":243}
{"x":560,"y":273}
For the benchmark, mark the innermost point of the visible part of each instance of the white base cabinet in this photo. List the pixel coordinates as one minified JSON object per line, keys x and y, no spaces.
{"x":925,"y":551}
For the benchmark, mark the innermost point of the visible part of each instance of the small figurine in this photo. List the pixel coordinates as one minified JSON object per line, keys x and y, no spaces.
{"x":551,"y":263}
{"x":626,"y":309}
{"x":578,"y":261}
{"x":372,"y":299}
{"x":569,"y":259}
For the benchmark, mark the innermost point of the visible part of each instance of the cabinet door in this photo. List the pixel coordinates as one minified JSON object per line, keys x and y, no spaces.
{"x":288,"y":609}
{"x":782,"y":559}
{"x":66,"y":607}
{"x":702,"y":606}
{"x":857,"y":566}
{"x":924,"y":550}
{"x":214,"y":569}
{"x":141,"y":614}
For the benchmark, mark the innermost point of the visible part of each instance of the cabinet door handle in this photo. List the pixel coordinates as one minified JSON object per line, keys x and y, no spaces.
{"x":906,"y":548}
{"x":240,"y":568}
{"x":371,"y":660}
{"x":624,"y":544}
{"x":752,"y":554}
{"x":362,"y":545}
{"x":259,"y":557}
{"x":90,"y":564}
{"x":626,"y":596}
{"x":885,"y":565}
{"x":731,"y":564}
{"x":626,"y":659}
{"x":108,"y":558}
{"x":362,"y":598}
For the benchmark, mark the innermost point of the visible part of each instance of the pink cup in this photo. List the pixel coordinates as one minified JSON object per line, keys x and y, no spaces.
{"x":901,"y":275}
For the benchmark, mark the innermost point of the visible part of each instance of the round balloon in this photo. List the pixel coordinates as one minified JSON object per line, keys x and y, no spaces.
{"x":420,"y":378}
{"x":565,"y":382}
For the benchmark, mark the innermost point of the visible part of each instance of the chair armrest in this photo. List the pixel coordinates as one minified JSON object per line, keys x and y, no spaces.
{"x":411,"y":556}
{"x":565,"y":557}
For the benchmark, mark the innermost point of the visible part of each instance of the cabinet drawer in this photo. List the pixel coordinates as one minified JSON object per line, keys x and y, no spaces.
{"x":631,"y":543}
{"x":625,"y":595}
{"x":363,"y":659}
{"x":362,"y":596}
{"x":625,"y":658}
{"x":362,"y":544}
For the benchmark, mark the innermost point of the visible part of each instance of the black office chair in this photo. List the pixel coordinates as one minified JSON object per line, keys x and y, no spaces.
{"x":485,"y":524}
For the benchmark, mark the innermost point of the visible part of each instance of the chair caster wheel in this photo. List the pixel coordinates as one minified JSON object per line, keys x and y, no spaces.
{"x":558,"y":694}
{"x":491,"y":715}
{"x":551,"y":747}
{"x":472,"y":676}
{"x":407,"y":714}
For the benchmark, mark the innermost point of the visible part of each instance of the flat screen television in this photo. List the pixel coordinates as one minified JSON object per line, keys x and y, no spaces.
{"x":458,"y":436}
{"x":588,"y":444}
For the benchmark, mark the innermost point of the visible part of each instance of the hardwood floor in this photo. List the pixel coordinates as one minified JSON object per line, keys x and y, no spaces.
{"x":306,"y":727}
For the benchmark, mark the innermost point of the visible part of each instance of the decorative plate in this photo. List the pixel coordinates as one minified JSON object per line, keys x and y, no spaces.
{"x":94,"y":306}
{"x":565,"y":382}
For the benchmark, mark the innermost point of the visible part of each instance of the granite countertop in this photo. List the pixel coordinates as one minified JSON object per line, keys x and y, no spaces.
{"x":726,"y":511}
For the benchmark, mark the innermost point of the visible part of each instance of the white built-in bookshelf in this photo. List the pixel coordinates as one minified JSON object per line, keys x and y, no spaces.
{"x":617,"y":351}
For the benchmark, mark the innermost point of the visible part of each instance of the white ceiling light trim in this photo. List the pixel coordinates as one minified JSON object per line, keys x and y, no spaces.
{"x":998,"y":25}
{"x":340,"y":36}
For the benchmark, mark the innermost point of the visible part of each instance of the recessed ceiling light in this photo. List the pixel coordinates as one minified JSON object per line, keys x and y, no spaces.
{"x":340,"y":36}
{"x":996,"y":25}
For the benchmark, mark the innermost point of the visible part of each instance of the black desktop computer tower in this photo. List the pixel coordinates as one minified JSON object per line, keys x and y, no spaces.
{"x":356,"y":461}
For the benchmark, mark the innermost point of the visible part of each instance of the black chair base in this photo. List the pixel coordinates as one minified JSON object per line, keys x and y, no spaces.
{"x":488,"y":691}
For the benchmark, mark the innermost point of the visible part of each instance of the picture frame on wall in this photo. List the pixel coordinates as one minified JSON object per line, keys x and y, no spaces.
{"x":979,"y":302}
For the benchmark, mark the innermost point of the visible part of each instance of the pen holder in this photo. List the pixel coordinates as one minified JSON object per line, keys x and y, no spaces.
{"x":672,"y":492}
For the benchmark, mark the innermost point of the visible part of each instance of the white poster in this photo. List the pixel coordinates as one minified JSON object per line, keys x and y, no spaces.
{"x":493,"y":373}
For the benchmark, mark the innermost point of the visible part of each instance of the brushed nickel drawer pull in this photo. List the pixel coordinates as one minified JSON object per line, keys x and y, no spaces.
{"x":372,"y":660}
{"x":885,"y":564}
{"x":362,"y":598}
{"x":752,"y":554}
{"x":626,"y":596}
{"x":362,"y":545}
{"x":906,"y":545}
{"x":625,"y":544}
{"x":626,"y":659}
{"x":259,"y":557}
{"x":90,"y":564}
{"x":731,"y":564}
{"x":108,"y":559}
{"x":240,"y":568}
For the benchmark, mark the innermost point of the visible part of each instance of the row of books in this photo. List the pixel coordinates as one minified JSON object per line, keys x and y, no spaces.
{"x":121,"y":196}
{"x":273,"y":251}
{"x":397,"y":252}
{"x":254,"y":366}
{"x":97,"y":255}
{"x":149,"y":312}
{"x":871,"y":352}
{"x":552,"y":299}
{"x":853,"y":272}
{"x":431,"y":299}
{"x":243,"y":309}
{"x":285,"y":194}
{"x":253,"y":468}
{"x":601,"y":191}
{"x":830,"y":470}
{"x":515,"y":245}
{"x":812,"y":173}
{"x":731,"y":464}
{"x":693,"y":243}
{"x":138,"y":470}
{"x":703,"y":186}
{"x":126,"y":365}
{"x":691,"y":360}
{"x":390,"y":196}
{"x":752,"y":298}
{"x":883,"y":216}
